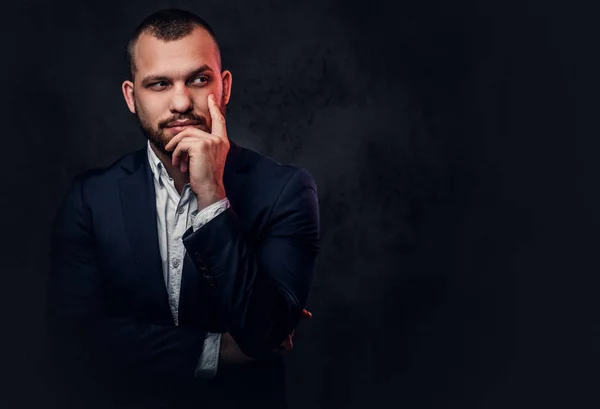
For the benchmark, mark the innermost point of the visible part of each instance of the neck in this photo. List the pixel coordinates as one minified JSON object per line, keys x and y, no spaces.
{"x":179,"y":178}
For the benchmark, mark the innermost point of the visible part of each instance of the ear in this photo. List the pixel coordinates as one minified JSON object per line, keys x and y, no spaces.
{"x":226,"y":80}
{"x":128,"y":94}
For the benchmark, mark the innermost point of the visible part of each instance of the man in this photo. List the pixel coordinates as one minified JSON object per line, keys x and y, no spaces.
{"x":179,"y":273}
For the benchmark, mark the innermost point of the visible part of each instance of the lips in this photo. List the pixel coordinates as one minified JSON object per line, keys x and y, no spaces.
{"x":180,"y":126}
{"x":182,"y":123}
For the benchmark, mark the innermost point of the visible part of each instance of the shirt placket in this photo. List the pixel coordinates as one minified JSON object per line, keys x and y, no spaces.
{"x":179,"y":206}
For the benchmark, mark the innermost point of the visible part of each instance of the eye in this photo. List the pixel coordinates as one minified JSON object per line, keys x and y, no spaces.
{"x":202,"y":77}
{"x":154,"y":85}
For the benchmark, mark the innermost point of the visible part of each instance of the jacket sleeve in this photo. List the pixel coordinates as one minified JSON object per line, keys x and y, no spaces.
{"x":79,"y":327}
{"x":261,"y":285}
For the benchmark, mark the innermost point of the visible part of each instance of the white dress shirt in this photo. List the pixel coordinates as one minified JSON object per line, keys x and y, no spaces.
{"x":174,"y":214}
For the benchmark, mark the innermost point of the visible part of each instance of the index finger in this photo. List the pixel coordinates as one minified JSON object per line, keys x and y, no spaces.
{"x":218,"y":120}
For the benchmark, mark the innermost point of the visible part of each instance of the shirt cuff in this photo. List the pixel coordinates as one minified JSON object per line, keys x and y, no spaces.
{"x":200,"y":218}
{"x":209,"y":360}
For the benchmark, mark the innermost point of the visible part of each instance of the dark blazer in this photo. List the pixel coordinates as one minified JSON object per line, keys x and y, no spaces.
{"x":248,"y":272}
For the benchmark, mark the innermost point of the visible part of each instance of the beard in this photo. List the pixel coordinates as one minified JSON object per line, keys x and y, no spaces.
{"x":157,"y":135}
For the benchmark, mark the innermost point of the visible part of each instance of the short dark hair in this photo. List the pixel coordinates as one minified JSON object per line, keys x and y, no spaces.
{"x":168,"y":25}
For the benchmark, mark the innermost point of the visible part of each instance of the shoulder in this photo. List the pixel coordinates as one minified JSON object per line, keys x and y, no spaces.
{"x":274,"y":193}
{"x":98,"y":180}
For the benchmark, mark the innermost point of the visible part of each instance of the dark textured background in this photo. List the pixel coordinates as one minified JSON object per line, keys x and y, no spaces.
{"x":454,"y":146}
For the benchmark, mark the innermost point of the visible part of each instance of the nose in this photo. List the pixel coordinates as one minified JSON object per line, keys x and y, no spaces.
{"x":181,"y":100}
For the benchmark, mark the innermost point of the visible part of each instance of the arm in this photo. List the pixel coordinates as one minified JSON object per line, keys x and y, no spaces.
{"x":79,"y":325}
{"x":262,"y":286}
{"x":213,"y":343}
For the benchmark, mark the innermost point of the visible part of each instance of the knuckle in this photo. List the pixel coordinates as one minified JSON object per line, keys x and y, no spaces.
{"x":205,"y":145}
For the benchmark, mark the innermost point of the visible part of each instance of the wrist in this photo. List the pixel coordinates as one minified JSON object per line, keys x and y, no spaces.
{"x":208,"y":198}
{"x":230,"y":352}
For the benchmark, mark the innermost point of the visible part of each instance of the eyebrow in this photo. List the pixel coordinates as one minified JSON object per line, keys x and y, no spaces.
{"x":151,"y":78}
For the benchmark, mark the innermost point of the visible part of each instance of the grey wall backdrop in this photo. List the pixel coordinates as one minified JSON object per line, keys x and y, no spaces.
{"x":453,"y":144}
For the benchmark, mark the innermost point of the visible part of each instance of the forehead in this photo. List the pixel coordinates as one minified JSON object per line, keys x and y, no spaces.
{"x":187,"y":53}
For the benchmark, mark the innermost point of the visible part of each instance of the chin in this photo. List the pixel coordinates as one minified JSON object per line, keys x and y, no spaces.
{"x":161,"y":147}
{"x":160,"y":142}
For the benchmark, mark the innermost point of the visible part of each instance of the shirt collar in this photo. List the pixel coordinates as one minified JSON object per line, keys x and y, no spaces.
{"x":158,"y":169}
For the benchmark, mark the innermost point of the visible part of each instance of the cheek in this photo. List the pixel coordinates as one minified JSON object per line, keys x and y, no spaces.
{"x":201,"y":105}
{"x":150,"y":111}
{"x":201,"y":100}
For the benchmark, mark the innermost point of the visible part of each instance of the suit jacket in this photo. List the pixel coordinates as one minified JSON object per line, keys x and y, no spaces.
{"x":247,"y":272}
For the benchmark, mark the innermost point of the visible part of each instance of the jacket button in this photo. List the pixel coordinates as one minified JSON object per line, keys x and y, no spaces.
{"x":210,"y":280}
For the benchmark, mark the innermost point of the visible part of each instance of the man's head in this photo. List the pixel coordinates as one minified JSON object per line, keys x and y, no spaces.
{"x":175,"y":63}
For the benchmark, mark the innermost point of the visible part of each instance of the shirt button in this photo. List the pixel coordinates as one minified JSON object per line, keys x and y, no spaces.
{"x":180,"y":210}
{"x":175,"y":263}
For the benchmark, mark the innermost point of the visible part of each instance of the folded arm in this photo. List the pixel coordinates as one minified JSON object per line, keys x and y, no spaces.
{"x":261,"y":285}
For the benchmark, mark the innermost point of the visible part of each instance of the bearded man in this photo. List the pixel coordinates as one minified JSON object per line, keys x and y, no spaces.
{"x":179,"y":273}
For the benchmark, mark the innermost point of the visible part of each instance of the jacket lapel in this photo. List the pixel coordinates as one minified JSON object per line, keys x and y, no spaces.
{"x":139,"y":210}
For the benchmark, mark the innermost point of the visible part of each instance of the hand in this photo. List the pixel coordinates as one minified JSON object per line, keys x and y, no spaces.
{"x":306,"y":314}
{"x":230,"y":352}
{"x":204,"y":155}
{"x":287,"y":345}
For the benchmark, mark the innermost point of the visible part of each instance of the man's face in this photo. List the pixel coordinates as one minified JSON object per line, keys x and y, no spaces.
{"x":172,"y":83}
